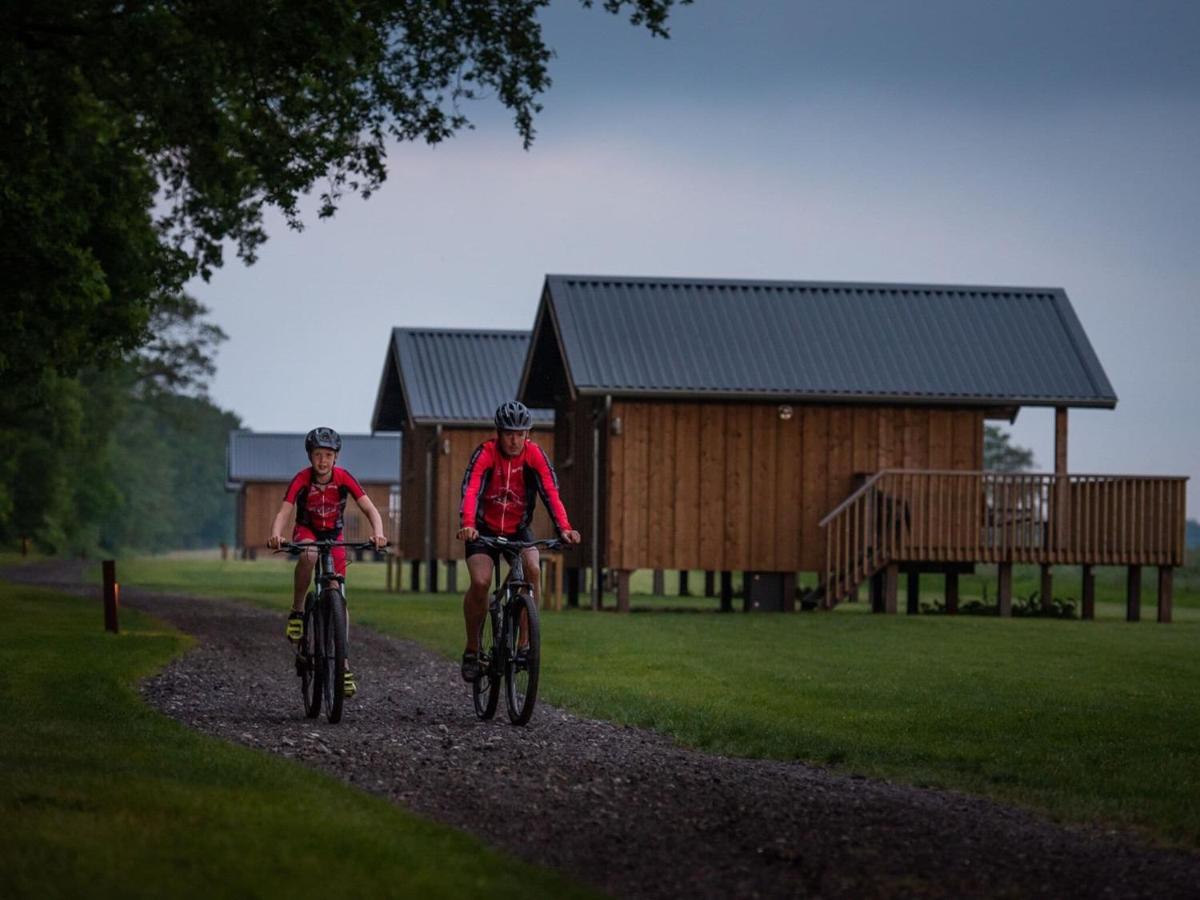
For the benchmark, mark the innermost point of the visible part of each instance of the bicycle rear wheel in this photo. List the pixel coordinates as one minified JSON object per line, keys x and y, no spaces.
{"x":485,"y":693}
{"x":306,"y":659}
{"x":521,"y":674}
{"x":333,"y":612}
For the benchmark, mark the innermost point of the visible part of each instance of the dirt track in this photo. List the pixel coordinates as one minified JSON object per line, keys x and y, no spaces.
{"x":620,"y":808}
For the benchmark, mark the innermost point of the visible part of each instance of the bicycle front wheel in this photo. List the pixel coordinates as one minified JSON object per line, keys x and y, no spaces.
{"x":524,"y":652}
{"x":333,"y":613}
{"x":307,"y":659}
{"x":485,"y":693}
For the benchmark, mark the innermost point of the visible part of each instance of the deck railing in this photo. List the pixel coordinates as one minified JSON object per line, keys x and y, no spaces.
{"x":994,"y":517}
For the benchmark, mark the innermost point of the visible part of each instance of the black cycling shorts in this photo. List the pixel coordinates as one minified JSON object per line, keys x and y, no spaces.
{"x":475,"y":547}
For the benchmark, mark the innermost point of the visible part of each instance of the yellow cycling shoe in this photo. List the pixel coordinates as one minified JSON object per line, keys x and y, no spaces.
{"x":295,"y":626}
{"x":349,"y":688}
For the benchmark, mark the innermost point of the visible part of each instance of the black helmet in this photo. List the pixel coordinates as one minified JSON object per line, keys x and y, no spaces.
{"x":322,"y":437}
{"x":513,"y":415}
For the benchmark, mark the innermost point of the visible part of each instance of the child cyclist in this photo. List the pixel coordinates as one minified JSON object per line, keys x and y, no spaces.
{"x":503,"y":479}
{"x":318,"y":495}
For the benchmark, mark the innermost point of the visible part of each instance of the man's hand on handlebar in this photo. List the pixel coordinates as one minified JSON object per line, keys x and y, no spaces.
{"x":379,"y":540}
{"x":276,"y":541}
{"x":468,"y":534}
{"x":571,"y":537}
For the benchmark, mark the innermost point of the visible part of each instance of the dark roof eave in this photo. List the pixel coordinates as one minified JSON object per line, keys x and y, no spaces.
{"x":473,"y":423}
{"x":782,"y":396}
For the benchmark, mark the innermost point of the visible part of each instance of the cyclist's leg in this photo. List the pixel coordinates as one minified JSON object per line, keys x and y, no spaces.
{"x":475,"y":600}
{"x":531,"y":562}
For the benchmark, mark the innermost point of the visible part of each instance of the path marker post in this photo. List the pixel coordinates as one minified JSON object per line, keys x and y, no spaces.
{"x":112,"y":595}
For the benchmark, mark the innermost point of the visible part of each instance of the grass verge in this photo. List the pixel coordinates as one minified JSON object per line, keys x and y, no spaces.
{"x":1089,"y":722}
{"x":102,"y":797}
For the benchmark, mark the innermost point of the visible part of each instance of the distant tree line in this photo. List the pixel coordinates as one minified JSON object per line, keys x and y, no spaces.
{"x":1000,"y":454}
{"x":129,"y":456}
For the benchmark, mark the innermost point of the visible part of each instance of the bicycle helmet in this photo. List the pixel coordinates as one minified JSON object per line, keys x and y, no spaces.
{"x":323,"y":437}
{"x":513,"y":415}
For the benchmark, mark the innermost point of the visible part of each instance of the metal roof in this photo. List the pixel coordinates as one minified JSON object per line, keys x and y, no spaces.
{"x":449,"y":377}
{"x":251,"y":456}
{"x":831,"y":341}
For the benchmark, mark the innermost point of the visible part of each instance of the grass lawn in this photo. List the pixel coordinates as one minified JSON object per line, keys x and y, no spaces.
{"x":102,"y":797}
{"x":1096,"y":721}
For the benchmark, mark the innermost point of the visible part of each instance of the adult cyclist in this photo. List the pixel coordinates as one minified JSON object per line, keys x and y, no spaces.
{"x":505,"y":476}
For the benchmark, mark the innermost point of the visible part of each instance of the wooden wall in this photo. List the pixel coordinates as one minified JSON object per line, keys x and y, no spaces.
{"x":259,"y":502}
{"x":452,"y":452}
{"x":724,"y":486}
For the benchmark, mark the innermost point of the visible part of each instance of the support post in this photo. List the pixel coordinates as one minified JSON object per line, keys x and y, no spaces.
{"x":951,"y":593}
{"x":623,"y":590}
{"x":452,"y":576}
{"x":789,"y":592}
{"x":573,"y":580}
{"x":710,"y":589}
{"x":597,"y":584}
{"x":1088,"y":600}
{"x":1004,"y":589}
{"x":891,"y":585}
{"x":658,"y":585}
{"x":914,"y":592}
{"x":416,"y":576}
{"x":1133,"y":594}
{"x":111,"y":595}
{"x":1166,"y":593}
{"x":1047,"y":589}
{"x":388,"y":576}
{"x":726,"y":592}
{"x":683,"y":583}
{"x":877,"y":592}
{"x":1061,"y":532}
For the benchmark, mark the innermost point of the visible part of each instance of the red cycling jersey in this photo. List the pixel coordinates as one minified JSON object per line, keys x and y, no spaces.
{"x":499,"y":493}
{"x":320,"y":507}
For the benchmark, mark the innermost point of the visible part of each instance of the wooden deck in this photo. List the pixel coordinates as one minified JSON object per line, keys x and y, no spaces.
{"x":946,"y":517}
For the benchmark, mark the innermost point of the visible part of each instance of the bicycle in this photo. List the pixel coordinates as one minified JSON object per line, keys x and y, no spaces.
{"x":510,"y":637}
{"x":322,"y":648}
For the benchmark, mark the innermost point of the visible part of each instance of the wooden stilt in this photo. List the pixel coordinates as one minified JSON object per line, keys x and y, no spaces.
{"x":1088,"y":600}
{"x":726,"y":592}
{"x":1166,"y":593}
{"x":452,"y":576}
{"x":951,"y":593}
{"x":914,"y":592}
{"x":1047,"y":588}
{"x":683,"y":583}
{"x":623,"y":590}
{"x":416,"y":576}
{"x":1004,"y":589}
{"x":876,"y":592}
{"x":573,"y":580}
{"x":1133,"y":594}
{"x":891,"y":585}
{"x":710,"y":589}
{"x":658,"y":583}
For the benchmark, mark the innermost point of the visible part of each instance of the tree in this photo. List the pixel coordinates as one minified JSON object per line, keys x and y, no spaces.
{"x":140,"y":138}
{"x":1001,"y":455}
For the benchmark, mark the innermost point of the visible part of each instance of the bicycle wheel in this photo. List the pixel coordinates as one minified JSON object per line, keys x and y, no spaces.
{"x":485,"y":693}
{"x":334,"y":614}
{"x":521,"y":676}
{"x":306,"y":659}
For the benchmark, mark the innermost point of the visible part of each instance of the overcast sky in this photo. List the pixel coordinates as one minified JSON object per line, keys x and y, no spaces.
{"x":961,"y":141}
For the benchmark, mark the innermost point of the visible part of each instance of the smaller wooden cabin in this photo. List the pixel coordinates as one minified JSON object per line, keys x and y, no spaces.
{"x":440,"y":389}
{"x":260,"y":466}
{"x":778,"y":427}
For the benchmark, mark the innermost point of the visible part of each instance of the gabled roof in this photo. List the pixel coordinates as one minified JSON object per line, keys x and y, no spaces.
{"x":817,"y":341}
{"x":448,"y":376}
{"x":251,"y":456}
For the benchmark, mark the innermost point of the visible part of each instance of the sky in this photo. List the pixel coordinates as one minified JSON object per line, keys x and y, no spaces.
{"x":991,"y":142}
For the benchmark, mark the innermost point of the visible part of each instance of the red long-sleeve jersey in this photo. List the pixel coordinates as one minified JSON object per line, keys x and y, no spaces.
{"x":499,"y":493}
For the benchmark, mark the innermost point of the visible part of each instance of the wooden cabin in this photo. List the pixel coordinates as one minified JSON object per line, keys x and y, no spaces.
{"x":441,"y":388}
{"x":833,"y":428}
{"x":260,"y":466}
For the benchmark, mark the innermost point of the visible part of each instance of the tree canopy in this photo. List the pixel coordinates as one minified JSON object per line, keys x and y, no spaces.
{"x":1001,"y":454}
{"x":143,"y":138}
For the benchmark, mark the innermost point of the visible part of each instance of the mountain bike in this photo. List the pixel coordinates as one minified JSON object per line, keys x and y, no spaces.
{"x":321,"y":650}
{"x":510,"y":646}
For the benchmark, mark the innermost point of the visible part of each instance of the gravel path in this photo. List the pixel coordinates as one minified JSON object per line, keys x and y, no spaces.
{"x":621,"y":808}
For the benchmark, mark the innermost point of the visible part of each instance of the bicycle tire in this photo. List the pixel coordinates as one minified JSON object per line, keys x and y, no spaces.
{"x":485,"y":693}
{"x":306,"y":661}
{"x":521,"y":681}
{"x":334,"y":612}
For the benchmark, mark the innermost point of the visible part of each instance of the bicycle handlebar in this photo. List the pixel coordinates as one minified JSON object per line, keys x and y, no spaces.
{"x":500,"y":543}
{"x":296,"y":547}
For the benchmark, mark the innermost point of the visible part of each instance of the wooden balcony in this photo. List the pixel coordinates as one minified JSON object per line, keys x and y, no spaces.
{"x":948,"y":517}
